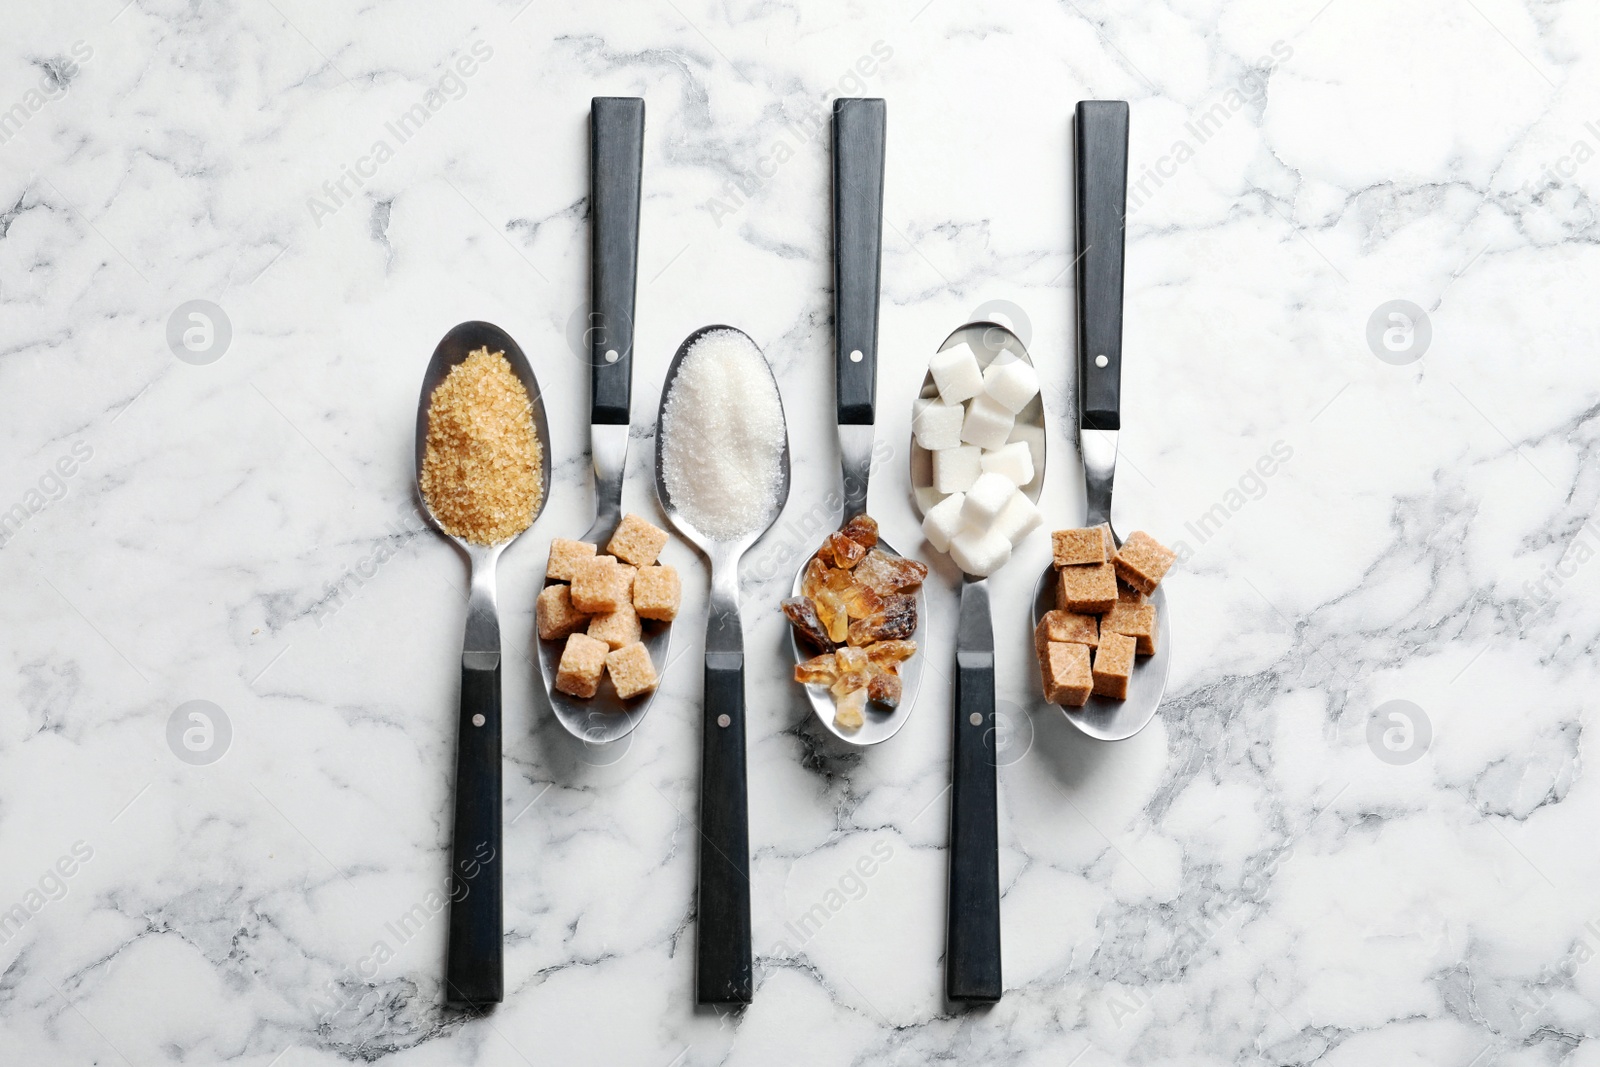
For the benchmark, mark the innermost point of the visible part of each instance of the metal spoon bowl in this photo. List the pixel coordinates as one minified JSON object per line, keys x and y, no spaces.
{"x":723,"y":956}
{"x":474,"y":959}
{"x":604,"y":717}
{"x":1117,"y":720}
{"x":988,"y":340}
{"x":878,"y":723}
{"x":452,"y":349}
{"x":724,"y":551}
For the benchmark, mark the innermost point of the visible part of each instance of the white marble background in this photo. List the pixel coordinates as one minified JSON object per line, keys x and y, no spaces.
{"x":1273,"y":872}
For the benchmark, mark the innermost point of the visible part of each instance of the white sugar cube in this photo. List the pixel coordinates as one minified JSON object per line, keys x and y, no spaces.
{"x":956,"y":373}
{"x":1018,"y":519}
{"x":938,"y":425}
{"x":979,"y":551}
{"x":1014,"y":460}
{"x":987,"y":424}
{"x":988,"y":495}
{"x":1012,"y":384}
{"x":955,"y":469}
{"x":943,"y":521}
{"x":1029,"y":435}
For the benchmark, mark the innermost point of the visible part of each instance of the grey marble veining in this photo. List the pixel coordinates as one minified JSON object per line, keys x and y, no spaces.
{"x":1360,"y":830}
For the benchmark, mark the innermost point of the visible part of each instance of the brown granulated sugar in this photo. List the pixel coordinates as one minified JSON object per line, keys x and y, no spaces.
{"x":481,"y":471}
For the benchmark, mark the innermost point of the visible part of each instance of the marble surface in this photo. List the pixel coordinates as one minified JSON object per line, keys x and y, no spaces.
{"x":1287,"y":867}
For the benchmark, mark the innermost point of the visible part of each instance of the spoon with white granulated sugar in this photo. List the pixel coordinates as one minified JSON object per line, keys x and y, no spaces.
{"x":483,"y":476}
{"x":722,"y":473}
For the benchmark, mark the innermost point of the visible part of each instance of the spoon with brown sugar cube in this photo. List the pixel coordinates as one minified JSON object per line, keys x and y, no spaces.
{"x":1102,"y":174}
{"x":616,"y":153}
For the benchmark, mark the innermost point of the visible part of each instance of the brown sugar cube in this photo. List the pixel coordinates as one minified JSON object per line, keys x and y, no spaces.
{"x":616,"y":628}
{"x":1142,"y":561}
{"x":625,"y":578}
{"x":594,"y":584}
{"x":602,"y":585}
{"x":1113,"y":665}
{"x":582,"y":663}
{"x":565,"y":555}
{"x":1127,"y":594}
{"x":1068,"y":627}
{"x":556,"y":616}
{"x":631,"y":670}
{"x":636,"y":541}
{"x":1064,"y":669}
{"x":1074,"y":547}
{"x":656,"y":592}
{"x":1088,"y":589}
{"x":1137,"y":621}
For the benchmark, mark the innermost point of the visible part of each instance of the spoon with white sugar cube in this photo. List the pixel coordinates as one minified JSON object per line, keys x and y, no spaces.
{"x":1102,"y":155}
{"x":977,"y":464}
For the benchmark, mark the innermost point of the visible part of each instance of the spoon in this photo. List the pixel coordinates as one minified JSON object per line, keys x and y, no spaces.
{"x":858,"y":142}
{"x":616,"y":151}
{"x":972,"y":951}
{"x":474,"y":970}
{"x":722,"y":950}
{"x":1102,"y":151}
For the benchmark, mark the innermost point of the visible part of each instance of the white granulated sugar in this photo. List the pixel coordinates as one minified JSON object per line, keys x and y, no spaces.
{"x":722,"y":437}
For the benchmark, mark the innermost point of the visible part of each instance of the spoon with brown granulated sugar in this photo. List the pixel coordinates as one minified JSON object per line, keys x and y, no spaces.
{"x":483,"y":465}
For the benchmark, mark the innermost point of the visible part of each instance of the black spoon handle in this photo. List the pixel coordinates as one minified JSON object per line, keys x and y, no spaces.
{"x":474,"y":968}
{"x":722,"y":957}
{"x":616,"y":160}
{"x":858,"y":145}
{"x":1102,"y":171}
{"x":972,"y":950}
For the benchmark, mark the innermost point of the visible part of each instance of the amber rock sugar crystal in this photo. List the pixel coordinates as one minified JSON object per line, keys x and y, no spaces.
{"x":481,"y":469}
